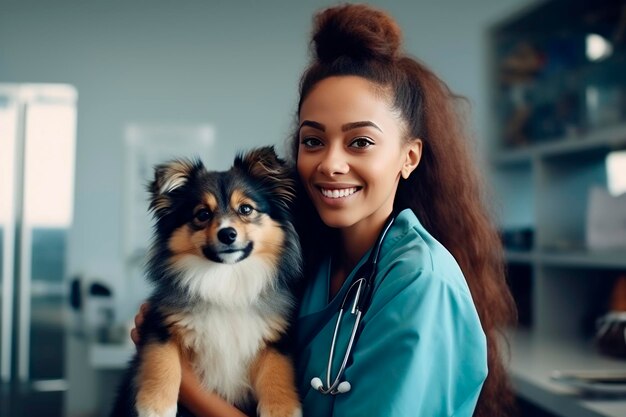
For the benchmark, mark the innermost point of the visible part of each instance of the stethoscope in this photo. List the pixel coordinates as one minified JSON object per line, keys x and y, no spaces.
{"x":362,"y":286}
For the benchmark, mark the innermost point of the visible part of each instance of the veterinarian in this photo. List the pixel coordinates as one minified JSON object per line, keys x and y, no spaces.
{"x":380,"y":137}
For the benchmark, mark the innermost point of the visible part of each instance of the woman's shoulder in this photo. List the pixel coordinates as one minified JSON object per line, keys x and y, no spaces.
{"x":419,"y":277}
{"x":411,"y":253}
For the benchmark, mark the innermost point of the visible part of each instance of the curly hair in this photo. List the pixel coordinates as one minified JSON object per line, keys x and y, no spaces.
{"x":445,"y":191}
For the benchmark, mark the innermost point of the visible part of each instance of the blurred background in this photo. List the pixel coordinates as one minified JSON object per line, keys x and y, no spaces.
{"x":93,"y":94}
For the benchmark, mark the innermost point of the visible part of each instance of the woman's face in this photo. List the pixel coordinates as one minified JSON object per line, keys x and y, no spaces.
{"x":351,"y":151}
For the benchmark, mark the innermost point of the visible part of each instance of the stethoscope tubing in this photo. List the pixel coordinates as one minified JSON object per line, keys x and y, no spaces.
{"x":355,"y":310}
{"x":364,"y":288}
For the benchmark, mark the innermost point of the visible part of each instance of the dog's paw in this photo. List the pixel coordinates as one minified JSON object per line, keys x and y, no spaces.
{"x":297,"y":412}
{"x":170,"y":412}
{"x":279,"y":410}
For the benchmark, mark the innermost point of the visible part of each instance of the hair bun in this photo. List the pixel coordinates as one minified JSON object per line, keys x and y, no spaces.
{"x":357,"y":31}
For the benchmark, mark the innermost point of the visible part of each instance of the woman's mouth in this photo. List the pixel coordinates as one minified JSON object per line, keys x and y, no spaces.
{"x":338,"y":193}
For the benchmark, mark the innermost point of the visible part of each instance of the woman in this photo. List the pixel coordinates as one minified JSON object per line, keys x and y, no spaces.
{"x":378,"y":136}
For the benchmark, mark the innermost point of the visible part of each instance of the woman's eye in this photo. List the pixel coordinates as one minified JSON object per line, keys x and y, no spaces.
{"x":202,"y":215}
{"x":361,"y":143}
{"x":245,"y":209}
{"x":311,"y":142}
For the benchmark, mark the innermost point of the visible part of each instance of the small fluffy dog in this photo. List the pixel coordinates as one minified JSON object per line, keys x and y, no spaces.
{"x":224,"y":260}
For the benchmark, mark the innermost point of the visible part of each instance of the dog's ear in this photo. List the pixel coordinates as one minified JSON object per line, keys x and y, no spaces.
{"x":265,"y":166}
{"x":260,"y":162}
{"x":169,"y":179}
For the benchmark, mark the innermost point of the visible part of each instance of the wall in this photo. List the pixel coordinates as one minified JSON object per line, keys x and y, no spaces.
{"x":232,"y":64}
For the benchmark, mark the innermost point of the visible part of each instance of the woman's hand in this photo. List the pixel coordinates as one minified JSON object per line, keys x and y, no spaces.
{"x":134,"y":332}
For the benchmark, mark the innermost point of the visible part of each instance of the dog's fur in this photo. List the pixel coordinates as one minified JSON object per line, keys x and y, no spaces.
{"x":224,"y":260}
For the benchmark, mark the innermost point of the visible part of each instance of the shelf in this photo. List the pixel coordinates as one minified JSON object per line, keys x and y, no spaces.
{"x":613,"y":259}
{"x":519,"y":256}
{"x":513,"y":157}
{"x":601,"y":140}
{"x":534,"y":358}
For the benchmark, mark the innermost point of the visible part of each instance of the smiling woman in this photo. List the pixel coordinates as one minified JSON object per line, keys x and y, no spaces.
{"x":379,"y":136}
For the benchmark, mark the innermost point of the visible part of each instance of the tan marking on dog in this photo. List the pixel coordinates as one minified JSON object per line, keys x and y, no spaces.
{"x":237,"y":198}
{"x":268,"y":238}
{"x":158,"y":379}
{"x":211,"y":201}
{"x":273,"y":380}
{"x":185,"y":241}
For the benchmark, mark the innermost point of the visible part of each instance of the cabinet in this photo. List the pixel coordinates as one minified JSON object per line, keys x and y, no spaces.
{"x":558,"y":101}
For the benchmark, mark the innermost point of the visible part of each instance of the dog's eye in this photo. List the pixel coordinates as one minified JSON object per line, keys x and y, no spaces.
{"x":202,"y":215}
{"x":245,"y":209}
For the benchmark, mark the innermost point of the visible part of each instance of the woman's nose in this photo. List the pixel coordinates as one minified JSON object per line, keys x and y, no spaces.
{"x":333,"y":163}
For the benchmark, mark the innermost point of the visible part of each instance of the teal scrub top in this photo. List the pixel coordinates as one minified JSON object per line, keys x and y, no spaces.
{"x":422,"y":350}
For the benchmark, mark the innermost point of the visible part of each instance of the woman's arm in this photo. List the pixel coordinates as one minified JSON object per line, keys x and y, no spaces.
{"x":197,"y":400}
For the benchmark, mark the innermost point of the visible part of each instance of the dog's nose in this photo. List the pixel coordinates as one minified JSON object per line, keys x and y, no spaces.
{"x":227,"y":235}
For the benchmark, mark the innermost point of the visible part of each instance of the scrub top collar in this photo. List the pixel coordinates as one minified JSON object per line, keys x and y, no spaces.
{"x":315,"y":309}
{"x":319,"y":291}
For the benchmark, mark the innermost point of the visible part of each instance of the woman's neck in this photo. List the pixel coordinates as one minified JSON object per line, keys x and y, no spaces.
{"x":354,"y":243}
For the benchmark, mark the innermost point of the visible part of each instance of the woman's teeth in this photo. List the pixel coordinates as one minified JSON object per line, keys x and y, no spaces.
{"x":338,"y":193}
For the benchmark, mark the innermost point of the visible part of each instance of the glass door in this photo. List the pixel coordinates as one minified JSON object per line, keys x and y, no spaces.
{"x":8,"y":134}
{"x":39,"y":201}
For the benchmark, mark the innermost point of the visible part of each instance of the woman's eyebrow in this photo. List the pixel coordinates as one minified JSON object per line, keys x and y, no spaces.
{"x":314,"y":125}
{"x":355,"y":125}
{"x":344,"y":128}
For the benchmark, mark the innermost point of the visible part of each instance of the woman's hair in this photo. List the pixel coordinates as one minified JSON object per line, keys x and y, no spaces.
{"x":445,"y":190}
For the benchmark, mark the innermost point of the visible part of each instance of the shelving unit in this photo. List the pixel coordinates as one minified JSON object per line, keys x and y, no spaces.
{"x":583,"y":259}
{"x":600,"y":141}
{"x":543,"y":167}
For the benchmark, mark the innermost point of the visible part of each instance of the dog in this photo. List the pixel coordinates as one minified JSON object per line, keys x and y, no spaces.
{"x":224,"y":263}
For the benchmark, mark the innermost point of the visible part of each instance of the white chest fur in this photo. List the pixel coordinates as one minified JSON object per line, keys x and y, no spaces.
{"x":225,"y":342}
{"x":228,"y":285}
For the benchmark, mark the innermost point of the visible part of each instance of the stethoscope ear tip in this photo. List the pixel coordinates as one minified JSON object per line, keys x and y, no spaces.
{"x":344,"y":387}
{"x":316,"y":383}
